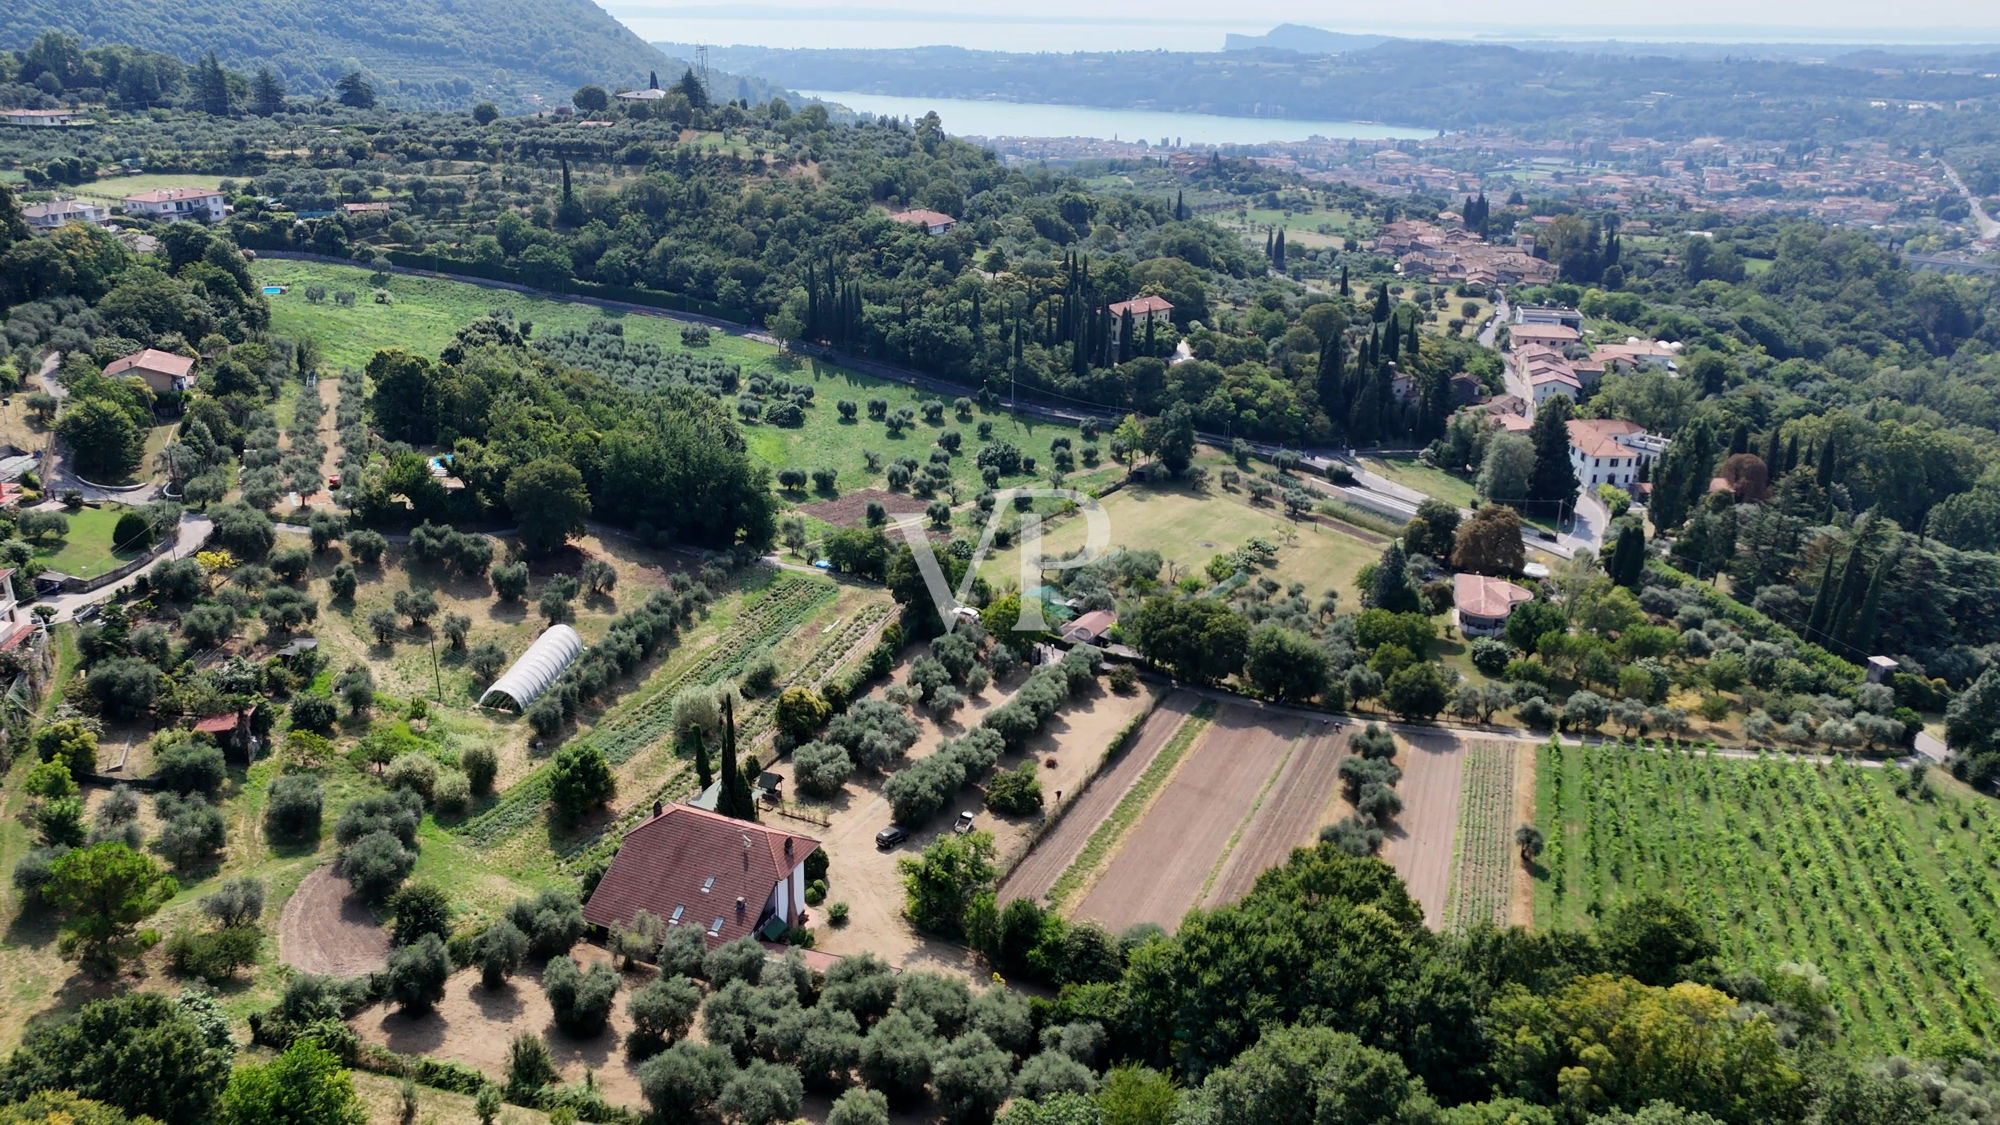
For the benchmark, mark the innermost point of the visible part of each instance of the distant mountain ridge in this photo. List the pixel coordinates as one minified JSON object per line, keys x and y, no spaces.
{"x":1308,"y":40}
{"x":420,"y":53}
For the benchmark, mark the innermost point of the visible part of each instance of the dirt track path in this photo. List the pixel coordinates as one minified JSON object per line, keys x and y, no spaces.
{"x":1052,"y":856}
{"x":325,"y":929}
{"x":1420,"y":848}
{"x":1290,"y":816}
{"x":1159,"y":871}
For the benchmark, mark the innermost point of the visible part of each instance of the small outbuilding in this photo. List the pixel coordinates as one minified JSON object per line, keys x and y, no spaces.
{"x":537,"y":668}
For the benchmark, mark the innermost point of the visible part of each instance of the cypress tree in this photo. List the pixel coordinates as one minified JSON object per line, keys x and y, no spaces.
{"x":1792,"y":452}
{"x":1552,"y":482}
{"x":1411,"y":346}
{"x":1269,"y":233}
{"x":1329,"y":381}
{"x":1278,"y":255}
{"x":1343,"y":281}
{"x":1628,"y":555}
{"x":1829,"y":462}
{"x":735,"y":799}
{"x":1865,"y":621}
{"x":1180,"y":206}
{"x":1774,"y":453}
{"x":1847,"y":600}
{"x":1382,"y":303}
{"x":1739,"y":441}
{"x":1822,"y":606}
{"x":704,"y":770}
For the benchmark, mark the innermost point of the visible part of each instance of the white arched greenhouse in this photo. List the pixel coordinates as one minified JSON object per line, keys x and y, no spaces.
{"x":537,"y":668}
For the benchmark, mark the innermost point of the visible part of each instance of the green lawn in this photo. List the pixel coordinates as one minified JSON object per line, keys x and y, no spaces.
{"x":117,"y":188}
{"x":87,"y":551}
{"x":1893,"y":898}
{"x":427,"y":312}
{"x":1189,"y":529}
{"x":1427,"y":479}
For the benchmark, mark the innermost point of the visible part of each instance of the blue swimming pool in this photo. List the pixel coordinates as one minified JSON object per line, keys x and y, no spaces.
{"x":273,"y":290}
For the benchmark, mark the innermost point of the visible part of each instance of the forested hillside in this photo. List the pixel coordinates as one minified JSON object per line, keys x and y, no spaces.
{"x":425,"y":52}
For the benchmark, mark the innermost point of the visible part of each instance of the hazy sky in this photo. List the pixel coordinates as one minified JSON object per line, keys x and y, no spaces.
{"x":1197,"y":25}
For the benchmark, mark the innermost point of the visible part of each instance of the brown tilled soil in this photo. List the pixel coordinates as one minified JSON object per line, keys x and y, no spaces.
{"x":325,"y":929}
{"x":848,"y":509}
{"x":1298,"y":803}
{"x":1420,"y":846}
{"x":1161,"y":867}
{"x":1521,"y":897}
{"x":1059,"y":848}
{"x":475,"y":1025}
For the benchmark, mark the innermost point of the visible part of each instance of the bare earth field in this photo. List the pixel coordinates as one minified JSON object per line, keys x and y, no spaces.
{"x":848,"y":509}
{"x":1040,"y":869}
{"x":1420,"y":846}
{"x":1304,"y":797}
{"x":325,"y":929}
{"x":1165,"y":860}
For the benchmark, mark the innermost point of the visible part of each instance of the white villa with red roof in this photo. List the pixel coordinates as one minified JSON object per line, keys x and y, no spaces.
{"x":168,"y":204}
{"x":1610,"y":451}
{"x":161,"y":371}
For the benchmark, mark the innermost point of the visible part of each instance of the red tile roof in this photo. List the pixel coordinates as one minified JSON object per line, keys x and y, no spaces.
{"x":221,"y":724}
{"x":166,"y":363}
{"x":169,"y":195}
{"x":1476,"y":595}
{"x":1140,"y":306}
{"x":700,"y":862}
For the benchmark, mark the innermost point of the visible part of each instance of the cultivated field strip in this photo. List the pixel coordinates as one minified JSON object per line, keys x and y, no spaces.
{"x":1053,"y":853}
{"x":647,"y":716}
{"x":1289,"y":817}
{"x":1480,"y":891}
{"x":1161,"y":867}
{"x":1420,"y":844}
{"x":1893,"y":898}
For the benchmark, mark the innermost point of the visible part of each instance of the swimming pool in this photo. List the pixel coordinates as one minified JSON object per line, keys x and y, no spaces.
{"x":273,"y":290}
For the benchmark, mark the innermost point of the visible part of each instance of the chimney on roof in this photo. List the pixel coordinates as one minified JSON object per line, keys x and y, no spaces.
{"x":788,"y":845}
{"x":659,"y":809}
{"x":739,"y":904}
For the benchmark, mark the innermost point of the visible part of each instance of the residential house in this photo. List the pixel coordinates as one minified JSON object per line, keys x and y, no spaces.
{"x":163,"y":372}
{"x":1145,"y":310}
{"x":1611,"y":451}
{"x":688,"y":867}
{"x":59,"y":213}
{"x":641,"y":95}
{"x":933,"y":222}
{"x":1548,"y":314}
{"x":1556,"y":336}
{"x":43,"y":118}
{"x":1637,"y":355}
{"x":1482,"y":604}
{"x":1090,"y":628}
{"x":1466,"y":389}
{"x":169,"y":204}
{"x":376,"y":208}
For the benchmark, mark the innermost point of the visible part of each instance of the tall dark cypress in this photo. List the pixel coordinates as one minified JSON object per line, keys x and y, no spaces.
{"x":1330,"y":382}
{"x":1343,"y":281}
{"x":1774,"y":453}
{"x":735,"y":799}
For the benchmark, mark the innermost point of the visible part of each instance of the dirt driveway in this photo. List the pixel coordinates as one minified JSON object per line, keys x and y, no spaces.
{"x":1165,"y":861}
{"x":326,"y":929}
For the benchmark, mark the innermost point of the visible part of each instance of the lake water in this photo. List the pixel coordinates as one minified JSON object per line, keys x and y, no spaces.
{"x":965,"y":117}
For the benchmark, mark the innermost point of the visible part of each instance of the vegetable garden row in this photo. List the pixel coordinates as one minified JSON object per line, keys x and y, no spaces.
{"x":1484,"y":857}
{"x":1893,"y":897}
{"x":767,"y":616}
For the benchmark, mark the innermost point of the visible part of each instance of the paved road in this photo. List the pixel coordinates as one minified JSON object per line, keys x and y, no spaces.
{"x":1989,"y":229}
